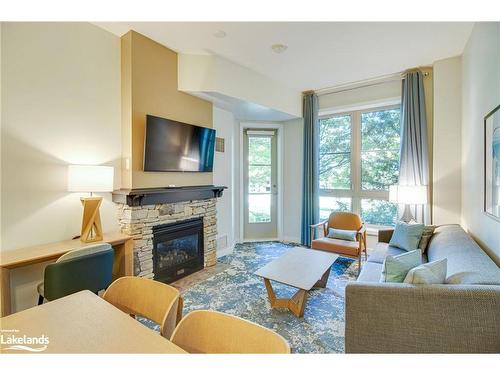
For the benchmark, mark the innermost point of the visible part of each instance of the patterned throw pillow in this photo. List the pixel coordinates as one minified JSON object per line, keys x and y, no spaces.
{"x":426,"y":237}
{"x":341,"y":234}
{"x":428,"y":273}
{"x":406,"y":236}
{"x":396,"y":267}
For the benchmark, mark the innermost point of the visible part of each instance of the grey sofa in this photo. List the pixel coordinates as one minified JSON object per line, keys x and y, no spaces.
{"x":461,"y":316}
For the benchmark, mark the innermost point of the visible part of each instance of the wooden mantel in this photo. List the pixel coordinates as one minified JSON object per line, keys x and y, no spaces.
{"x":144,"y":197}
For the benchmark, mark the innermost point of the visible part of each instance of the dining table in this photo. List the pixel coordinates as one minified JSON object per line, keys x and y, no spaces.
{"x":79,"y":323}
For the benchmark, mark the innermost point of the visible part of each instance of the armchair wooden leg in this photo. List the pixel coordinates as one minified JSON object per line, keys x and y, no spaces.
{"x":366,"y":248}
{"x":180,"y":306}
{"x":40,"y":300}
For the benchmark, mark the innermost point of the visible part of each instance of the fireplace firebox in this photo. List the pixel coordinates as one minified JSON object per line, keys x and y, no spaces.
{"x":177,"y":249}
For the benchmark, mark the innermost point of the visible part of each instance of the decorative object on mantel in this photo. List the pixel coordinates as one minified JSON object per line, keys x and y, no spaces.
{"x":407,"y":195}
{"x":492,"y":163}
{"x":144,"y":197}
{"x":90,"y":179}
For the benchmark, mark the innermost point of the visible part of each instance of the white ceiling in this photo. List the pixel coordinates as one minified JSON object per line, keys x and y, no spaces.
{"x":319,"y":54}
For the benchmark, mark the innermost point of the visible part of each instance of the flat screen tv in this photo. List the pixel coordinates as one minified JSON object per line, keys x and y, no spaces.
{"x":173,"y":146}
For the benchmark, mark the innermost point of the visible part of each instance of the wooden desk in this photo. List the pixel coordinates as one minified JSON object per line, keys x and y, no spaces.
{"x":123,"y":262}
{"x":84,"y":323}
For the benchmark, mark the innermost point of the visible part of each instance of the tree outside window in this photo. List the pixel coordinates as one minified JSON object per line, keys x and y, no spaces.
{"x":358,"y":161}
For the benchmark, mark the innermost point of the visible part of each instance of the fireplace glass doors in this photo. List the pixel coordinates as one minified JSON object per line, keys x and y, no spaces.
{"x":177,"y":249}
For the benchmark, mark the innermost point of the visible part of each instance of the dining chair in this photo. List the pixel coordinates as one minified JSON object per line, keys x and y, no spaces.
{"x":147,"y":298}
{"x":204,"y":331}
{"x":87,"y":268}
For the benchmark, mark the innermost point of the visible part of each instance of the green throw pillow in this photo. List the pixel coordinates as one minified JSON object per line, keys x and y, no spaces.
{"x":406,"y":236}
{"x":396,"y":267}
{"x":341,"y":234}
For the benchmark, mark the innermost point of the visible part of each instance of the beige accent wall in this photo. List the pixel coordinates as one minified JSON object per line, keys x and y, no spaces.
{"x":149,"y":86}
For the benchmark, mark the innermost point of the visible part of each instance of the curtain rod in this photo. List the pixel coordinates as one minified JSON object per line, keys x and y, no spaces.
{"x":364,"y":83}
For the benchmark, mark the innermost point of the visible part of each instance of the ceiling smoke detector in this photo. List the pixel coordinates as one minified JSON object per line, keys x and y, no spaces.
{"x":279,"y":48}
{"x":220,"y":34}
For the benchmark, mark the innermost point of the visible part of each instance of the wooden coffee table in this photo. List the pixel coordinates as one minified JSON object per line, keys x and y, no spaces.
{"x":300,"y":268}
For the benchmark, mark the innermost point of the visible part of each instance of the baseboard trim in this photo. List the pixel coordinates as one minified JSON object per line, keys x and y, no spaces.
{"x":291,"y":239}
{"x":260,"y":239}
{"x":228,"y":250}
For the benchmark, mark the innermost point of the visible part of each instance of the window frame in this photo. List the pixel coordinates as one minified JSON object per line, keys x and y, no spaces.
{"x":356,"y":193}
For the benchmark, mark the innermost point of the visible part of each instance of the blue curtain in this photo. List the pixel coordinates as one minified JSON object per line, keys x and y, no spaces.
{"x":414,"y":160}
{"x":310,"y":183}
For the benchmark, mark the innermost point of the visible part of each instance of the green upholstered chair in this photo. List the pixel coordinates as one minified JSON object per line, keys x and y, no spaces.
{"x":88,"y":268}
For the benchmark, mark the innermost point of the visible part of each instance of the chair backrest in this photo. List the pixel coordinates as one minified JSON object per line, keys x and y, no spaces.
{"x":204,"y":331}
{"x":147,"y":298}
{"x":86,"y":250}
{"x":345,"y":220}
{"x":92,"y":272}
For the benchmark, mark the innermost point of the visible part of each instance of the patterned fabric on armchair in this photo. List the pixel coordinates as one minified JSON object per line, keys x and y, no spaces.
{"x":345,"y":221}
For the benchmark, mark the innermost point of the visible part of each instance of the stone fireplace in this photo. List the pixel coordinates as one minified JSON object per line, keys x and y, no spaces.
{"x":173,"y":234}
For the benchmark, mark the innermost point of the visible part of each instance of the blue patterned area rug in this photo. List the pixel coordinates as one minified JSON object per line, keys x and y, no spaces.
{"x":237,"y":291}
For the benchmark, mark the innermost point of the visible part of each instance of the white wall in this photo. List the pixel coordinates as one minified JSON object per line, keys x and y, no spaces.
{"x":481,"y":93}
{"x":1,"y":122}
{"x":292,"y":178}
{"x":60,"y":106}
{"x":211,"y":73}
{"x":224,"y":166}
{"x":357,"y":97}
{"x":447,"y":139}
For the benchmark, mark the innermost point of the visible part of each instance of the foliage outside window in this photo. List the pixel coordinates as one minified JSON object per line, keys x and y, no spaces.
{"x":259,"y":179}
{"x":358,"y":161}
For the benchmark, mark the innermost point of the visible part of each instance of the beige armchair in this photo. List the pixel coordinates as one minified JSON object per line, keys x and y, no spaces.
{"x":345,"y":221}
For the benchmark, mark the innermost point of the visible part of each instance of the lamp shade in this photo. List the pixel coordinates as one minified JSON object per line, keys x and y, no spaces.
{"x":406,"y":194}
{"x":90,"y":178}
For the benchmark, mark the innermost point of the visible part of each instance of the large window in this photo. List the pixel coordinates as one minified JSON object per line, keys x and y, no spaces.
{"x":358,"y":161}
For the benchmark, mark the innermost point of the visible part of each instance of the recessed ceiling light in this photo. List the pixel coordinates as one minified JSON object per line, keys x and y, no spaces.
{"x":220,"y":34}
{"x":279,"y":48}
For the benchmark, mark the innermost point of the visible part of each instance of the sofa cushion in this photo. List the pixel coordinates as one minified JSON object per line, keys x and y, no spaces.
{"x":381,"y":251}
{"x":370,"y":272}
{"x":428,"y":273}
{"x":395,"y":268}
{"x":342,"y":234}
{"x":343,"y":247}
{"x":467,"y":262}
{"x":426,"y":237}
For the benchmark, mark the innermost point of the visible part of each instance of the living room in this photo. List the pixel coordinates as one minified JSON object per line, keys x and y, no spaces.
{"x":288,"y":196}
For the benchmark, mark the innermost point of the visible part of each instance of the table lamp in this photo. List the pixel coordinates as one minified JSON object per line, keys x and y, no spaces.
{"x":406,"y":194}
{"x":90,"y":179}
